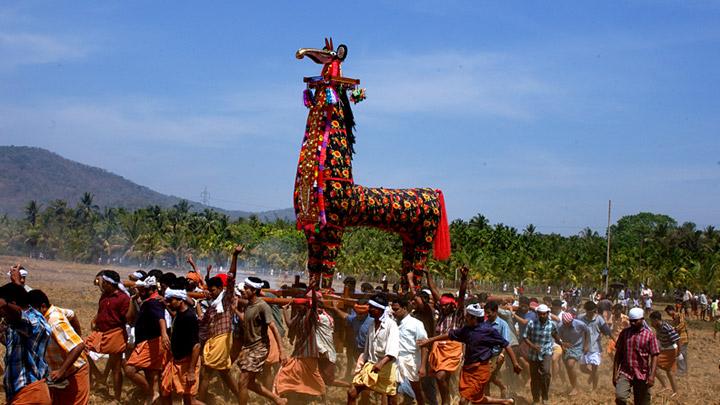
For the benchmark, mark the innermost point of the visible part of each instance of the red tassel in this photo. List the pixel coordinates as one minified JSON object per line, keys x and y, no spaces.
{"x":441,"y":243}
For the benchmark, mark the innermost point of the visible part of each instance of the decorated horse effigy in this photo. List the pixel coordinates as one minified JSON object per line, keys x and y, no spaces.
{"x":326,"y":198}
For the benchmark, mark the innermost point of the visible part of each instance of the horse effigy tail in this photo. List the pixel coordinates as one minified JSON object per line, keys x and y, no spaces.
{"x":441,"y":243}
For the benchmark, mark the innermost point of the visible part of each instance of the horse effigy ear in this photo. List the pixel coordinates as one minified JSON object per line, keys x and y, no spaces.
{"x":327,"y":45}
{"x":342,"y":51}
{"x":332,"y":48}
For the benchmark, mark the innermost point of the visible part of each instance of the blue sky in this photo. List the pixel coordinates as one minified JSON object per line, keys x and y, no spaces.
{"x":526,"y":112}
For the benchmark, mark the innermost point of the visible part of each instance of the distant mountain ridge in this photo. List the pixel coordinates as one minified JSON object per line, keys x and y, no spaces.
{"x":30,"y":173}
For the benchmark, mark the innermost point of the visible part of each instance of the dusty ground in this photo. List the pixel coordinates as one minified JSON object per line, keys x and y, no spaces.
{"x":70,"y":285}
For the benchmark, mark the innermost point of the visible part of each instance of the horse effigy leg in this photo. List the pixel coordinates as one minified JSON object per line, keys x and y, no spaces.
{"x":421,"y":250}
{"x":314,"y":263}
{"x":408,"y":257}
{"x":323,"y":249}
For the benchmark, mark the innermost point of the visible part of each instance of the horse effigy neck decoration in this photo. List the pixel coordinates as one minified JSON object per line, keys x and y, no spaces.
{"x":327,"y":200}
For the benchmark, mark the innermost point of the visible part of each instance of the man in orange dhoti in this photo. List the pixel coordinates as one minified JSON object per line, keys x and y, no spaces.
{"x":480,"y":339}
{"x":181,"y":373}
{"x":668,"y":338}
{"x":618,"y":322}
{"x":108,"y":334}
{"x":312,"y":365}
{"x":64,"y":355}
{"x":151,"y":339}
{"x":445,"y":356}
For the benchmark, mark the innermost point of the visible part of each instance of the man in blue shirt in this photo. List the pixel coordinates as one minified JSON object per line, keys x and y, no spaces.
{"x":491,"y":314}
{"x":359,"y":322}
{"x":26,"y":340}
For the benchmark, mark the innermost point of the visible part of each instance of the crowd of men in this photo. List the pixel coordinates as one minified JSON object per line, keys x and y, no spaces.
{"x":170,"y":336}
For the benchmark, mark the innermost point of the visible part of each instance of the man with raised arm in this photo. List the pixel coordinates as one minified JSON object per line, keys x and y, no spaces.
{"x":311,"y":368}
{"x":216,"y":329}
{"x":446,"y":355}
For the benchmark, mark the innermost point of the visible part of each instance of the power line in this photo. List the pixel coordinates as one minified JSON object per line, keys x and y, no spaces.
{"x":204,"y":196}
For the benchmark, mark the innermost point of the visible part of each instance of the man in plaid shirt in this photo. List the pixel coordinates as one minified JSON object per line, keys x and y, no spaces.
{"x":635,"y":360}
{"x":216,"y":330}
{"x":26,"y":340}
{"x":540,"y":336}
{"x":64,"y":354}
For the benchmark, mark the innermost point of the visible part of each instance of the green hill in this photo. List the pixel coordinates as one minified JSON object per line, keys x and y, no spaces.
{"x":29,"y":173}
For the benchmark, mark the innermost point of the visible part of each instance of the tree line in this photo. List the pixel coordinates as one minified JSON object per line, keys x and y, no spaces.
{"x":646,"y":247}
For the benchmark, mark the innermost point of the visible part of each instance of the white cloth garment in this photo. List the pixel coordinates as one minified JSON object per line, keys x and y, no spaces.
{"x":217,"y":303}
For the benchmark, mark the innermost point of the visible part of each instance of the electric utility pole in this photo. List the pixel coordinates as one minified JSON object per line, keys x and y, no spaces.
{"x":607,"y":256}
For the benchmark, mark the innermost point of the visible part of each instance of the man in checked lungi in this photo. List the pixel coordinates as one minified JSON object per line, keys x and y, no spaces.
{"x":257,"y":324}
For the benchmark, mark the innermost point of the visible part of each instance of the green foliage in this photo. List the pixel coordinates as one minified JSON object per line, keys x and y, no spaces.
{"x":646,"y":247}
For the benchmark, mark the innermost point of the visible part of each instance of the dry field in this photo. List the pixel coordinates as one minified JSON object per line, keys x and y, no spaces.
{"x":70,"y":285}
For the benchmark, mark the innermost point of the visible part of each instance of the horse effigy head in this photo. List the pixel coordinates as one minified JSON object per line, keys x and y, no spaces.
{"x":328,"y":56}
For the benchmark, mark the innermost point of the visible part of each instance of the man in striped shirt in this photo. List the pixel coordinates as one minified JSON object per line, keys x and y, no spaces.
{"x":680,"y":325}
{"x":64,"y":354}
{"x":668,"y":338}
{"x":635,"y":361}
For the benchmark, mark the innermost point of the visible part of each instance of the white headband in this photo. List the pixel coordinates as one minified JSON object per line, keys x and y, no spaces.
{"x":239,"y":287}
{"x":475,"y":310}
{"x":179,"y":294}
{"x":252,"y":284}
{"x":376,"y":304}
{"x":23,"y":273}
{"x":148,"y":282}
{"x":109,"y":280}
{"x":138,"y":275}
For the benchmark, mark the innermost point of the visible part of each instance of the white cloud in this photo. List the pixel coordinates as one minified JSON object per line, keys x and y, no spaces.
{"x":479,"y":83}
{"x":18,"y":49}
{"x":145,"y":119}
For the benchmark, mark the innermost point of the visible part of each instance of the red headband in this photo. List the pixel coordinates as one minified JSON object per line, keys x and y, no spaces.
{"x":445,"y":300}
{"x":361,"y":309}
